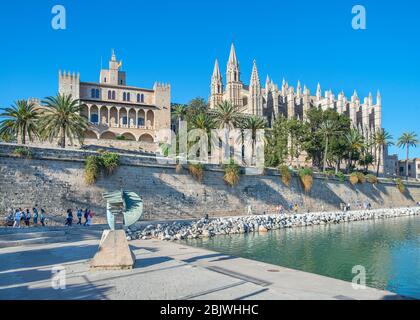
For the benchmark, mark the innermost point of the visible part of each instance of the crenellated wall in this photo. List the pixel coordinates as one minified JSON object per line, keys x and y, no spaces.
{"x":53,"y":179}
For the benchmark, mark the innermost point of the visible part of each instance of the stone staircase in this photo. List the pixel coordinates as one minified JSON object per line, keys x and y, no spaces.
{"x":34,"y":236}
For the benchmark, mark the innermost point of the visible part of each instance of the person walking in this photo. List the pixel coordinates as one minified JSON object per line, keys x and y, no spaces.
{"x":22,"y":216}
{"x":69,"y":219}
{"x":35,"y":212}
{"x":90,"y":217}
{"x":42,"y":217}
{"x":18,"y":216}
{"x":86,"y":216}
{"x":28,"y":218}
{"x":79,"y":216}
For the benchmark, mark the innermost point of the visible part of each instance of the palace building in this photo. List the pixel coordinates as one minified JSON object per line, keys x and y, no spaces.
{"x":116,"y":110}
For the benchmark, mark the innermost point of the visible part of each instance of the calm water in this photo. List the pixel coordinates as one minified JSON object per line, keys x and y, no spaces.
{"x":388,"y":249}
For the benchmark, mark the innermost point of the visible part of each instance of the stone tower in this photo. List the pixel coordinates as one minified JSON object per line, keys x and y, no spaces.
{"x":233,"y":82}
{"x":113,"y":76}
{"x":69,"y":84}
{"x":255,"y":94}
{"x":216,"y":95}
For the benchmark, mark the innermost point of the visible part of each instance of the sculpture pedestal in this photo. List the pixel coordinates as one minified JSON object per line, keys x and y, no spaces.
{"x":114,"y":252}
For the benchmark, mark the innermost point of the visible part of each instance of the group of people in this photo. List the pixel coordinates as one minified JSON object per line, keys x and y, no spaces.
{"x":25,"y":216}
{"x":87,"y":214}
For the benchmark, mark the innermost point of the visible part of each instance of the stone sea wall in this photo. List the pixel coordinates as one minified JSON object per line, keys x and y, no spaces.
{"x":205,"y":228}
{"x":53,"y":179}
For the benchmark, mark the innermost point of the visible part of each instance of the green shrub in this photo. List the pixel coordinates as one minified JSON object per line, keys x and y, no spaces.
{"x":232,"y":172}
{"x":340,"y":176}
{"x":121,"y":138}
{"x":22,"y":152}
{"x":354,"y":179}
{"x":107,"y":162}
{"x":285,"y":174}
{"x":110,"y":161}
{"x":361,"y":177}
{"x":400,"y":185}
{"x":306,"y":177}
{"x":372,"y":179}
{"x":197,"y":171}
{"x":329,"y":173}
{"x":92,"y":169}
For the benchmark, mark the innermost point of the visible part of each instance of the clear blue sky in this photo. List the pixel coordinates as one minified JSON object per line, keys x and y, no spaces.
{"x":177,"y":42}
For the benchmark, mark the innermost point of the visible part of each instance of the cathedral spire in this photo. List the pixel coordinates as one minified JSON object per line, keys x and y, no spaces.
{"x":318,"y":91}
{"x":232,"y":72}
{"x":378,"y":98}
{"x":216,"y":86}
{"x":216,"y":71}
{"x":256,"y":101}
{"x":299,"y":89}
{"x":255,"y":78}
{"x":232,"y":56}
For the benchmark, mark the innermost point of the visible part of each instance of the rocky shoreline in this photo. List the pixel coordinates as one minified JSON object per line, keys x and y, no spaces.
{"x":246,"y":224}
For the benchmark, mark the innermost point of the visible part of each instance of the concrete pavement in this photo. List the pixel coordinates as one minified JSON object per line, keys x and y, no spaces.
{"x":163,"y":271}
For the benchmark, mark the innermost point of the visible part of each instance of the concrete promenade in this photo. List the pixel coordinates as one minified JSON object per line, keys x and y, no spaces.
{"x":163,"y":271}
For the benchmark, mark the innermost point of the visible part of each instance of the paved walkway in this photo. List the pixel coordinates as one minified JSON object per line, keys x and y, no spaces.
{"x":163,"y":271}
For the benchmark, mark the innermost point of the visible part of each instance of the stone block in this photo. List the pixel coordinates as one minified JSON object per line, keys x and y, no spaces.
{"x":114,"y":252}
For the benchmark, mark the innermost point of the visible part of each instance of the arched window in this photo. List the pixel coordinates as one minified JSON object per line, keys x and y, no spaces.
{"x":124,"y":96}
{"x":97,"y":93}
{"x":109,"y":95}
{"x":105,"y":79}
{"x":142,"y":98}
{"x":113,"y":95}
{"x":128,"y":96}
{"x":94,"y":118}
{"x":140,"y":122}
{"x":138,"y":97}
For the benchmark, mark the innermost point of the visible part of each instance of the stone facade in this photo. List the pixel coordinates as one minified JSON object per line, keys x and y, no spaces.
{"x":115,"y":109}
{"x":272,"y":101}
{"x":413,"y":168}
{"x":53,"y":179}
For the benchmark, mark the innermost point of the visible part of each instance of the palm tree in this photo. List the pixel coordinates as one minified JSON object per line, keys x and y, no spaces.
{"x":253,"y":123}
{"x":381,"y":140}
{"x":328,"y":130}
{"x":178,"y":113}
{"x":226,"y":115}
{"x":61,"y":117}
{"x":355,"y":143}
{"x":20,"y":120}
{"x":407,"y":140}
